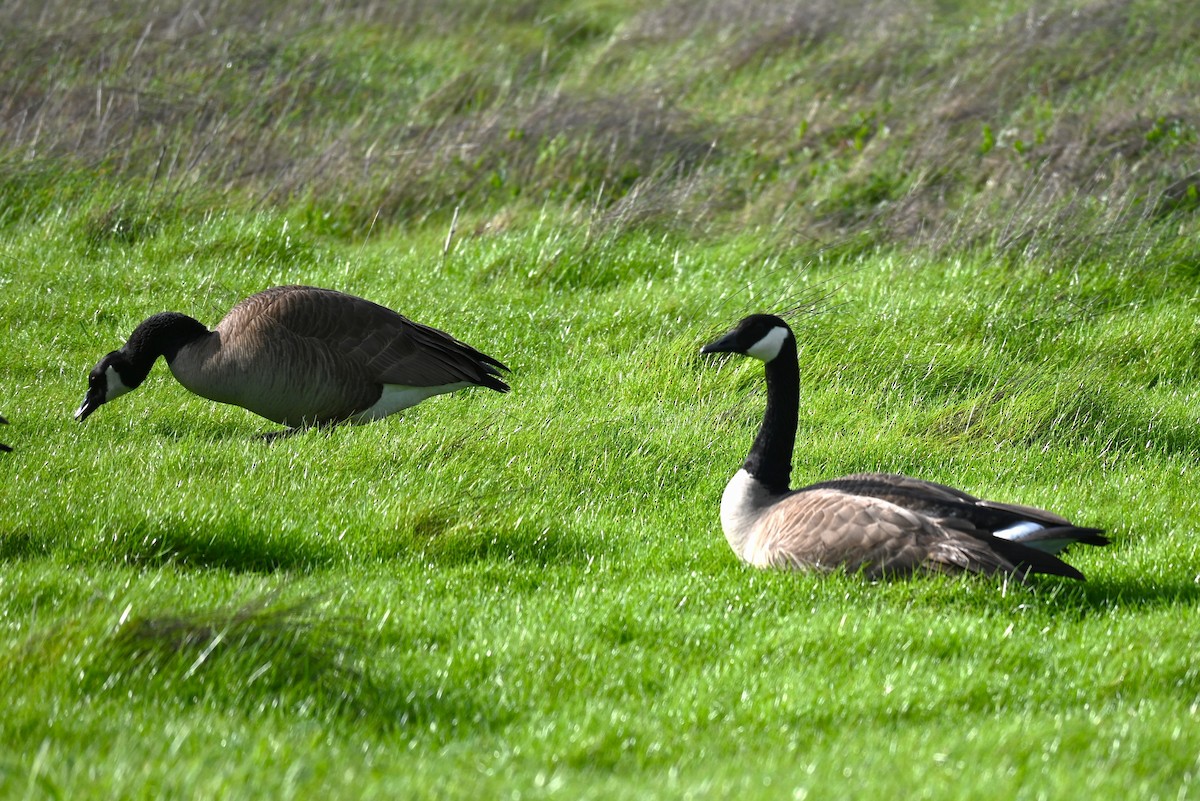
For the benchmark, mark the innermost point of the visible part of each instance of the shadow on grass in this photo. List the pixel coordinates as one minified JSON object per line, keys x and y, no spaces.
{"x":230,"y":545}
{"x":1135,"y":593}
{"x":785,"y":593}
{"x":212,"y":429}
{"x":238,"y":546}
{"x":270,"y":656}
{"x":451,"y":541}
{"x":208,"y":546}
{"x":21,"y":544}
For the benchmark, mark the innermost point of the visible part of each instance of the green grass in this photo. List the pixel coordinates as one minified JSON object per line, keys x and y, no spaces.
{"x":529,"y":594}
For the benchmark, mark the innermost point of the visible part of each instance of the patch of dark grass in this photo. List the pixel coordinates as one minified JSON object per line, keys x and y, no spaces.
{"x":268,"y":656}
{"x":234,"y":545}
{"x":1132,"y":594}
{"x":254,"y":656}
{"x":21,"y":544}
{"x":440,"y":541}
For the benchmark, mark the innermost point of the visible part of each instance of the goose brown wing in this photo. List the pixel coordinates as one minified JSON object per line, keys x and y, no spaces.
{"x":419,"y":355}
{"x":826,"y":528}
{"x":869,"y":483}
{"x":365,"y":337}
{"x":940,"y":500}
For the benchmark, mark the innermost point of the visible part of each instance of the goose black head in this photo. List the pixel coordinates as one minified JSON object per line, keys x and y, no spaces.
{"x":760,"y":336}
{"x":112,"y":377}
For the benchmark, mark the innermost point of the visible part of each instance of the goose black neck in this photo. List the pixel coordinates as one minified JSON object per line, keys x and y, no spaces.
{"x":161,"y":335}
{"x":770,"y":459}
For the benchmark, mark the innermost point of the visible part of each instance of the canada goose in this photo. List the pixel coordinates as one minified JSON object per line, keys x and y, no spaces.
{"x":4,"y":448}
{"x":300,"y":356}
{"x":878,"y":523}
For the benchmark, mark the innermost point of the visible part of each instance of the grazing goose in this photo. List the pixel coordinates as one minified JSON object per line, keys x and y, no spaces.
{"x":878,"y":523}
{"x":4,"y":448}
{"x":300,"y":356}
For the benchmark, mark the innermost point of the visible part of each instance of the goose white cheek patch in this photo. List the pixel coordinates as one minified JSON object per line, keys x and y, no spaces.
{"x":114,"y":386}
{"x":768,"y":347}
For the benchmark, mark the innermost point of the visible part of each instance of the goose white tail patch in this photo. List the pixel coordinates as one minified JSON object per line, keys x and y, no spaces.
{"x":769,"y":346}
{"x":1019,"y":531}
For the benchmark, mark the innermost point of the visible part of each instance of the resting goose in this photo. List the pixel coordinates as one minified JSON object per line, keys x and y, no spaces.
{"x":877,"y":523}
{"x":4,"y":448}
{"x":300,"y":356}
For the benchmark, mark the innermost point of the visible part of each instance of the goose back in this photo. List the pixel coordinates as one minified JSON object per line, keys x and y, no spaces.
{"x":308,"y":356}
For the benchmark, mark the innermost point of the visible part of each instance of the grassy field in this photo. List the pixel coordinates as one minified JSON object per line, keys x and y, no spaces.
{"x":982,"y":220}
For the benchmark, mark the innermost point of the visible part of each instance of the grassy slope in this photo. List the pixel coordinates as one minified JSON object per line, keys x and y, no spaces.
{"x":530,"y":592}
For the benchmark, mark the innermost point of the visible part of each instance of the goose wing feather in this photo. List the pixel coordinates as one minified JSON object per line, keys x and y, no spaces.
{"x":362,"y":337}
{"x":930,"y":497}
{"x":418,"y":355}
{"x":824,"y":528}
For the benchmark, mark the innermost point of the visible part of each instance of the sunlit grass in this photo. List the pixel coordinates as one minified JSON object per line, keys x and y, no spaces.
{"x":531,"y":591}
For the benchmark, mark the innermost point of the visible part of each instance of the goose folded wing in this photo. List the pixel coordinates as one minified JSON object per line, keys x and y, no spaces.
{"x":827,"y":529}
{"x":418,"y":355}
{"x":369,"y":339}
{"x":939,"y":500}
